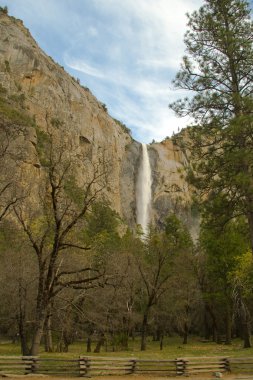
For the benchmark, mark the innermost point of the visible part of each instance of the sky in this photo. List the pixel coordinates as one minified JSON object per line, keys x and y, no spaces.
{"x":127,"y":52}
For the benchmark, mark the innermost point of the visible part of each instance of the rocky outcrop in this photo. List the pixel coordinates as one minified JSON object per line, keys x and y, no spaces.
{"x":171,"y":192}
{"x":56,"y":102}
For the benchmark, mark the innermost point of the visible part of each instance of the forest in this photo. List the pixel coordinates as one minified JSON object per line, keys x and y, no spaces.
{"x":71,"y":269}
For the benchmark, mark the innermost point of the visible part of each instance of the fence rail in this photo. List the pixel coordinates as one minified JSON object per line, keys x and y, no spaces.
{"x":241,"y":365}
{"x":87,"y":366}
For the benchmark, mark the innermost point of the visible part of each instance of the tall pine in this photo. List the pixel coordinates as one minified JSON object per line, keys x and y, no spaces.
{"x":218,"y":71}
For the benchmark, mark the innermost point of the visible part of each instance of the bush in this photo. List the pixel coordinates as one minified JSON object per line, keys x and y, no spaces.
{"x":103,"y":105}
{"x":4,"y":10}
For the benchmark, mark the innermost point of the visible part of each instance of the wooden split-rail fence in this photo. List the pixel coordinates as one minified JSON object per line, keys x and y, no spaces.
{"x":88,"y":366}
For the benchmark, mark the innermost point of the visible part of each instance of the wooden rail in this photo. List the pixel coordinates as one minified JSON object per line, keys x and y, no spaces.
{"x":55,"y":366}
{"x":197,"y":365}
{"x":87,"y":366}
{"x":107,"y":365}
{"x":241,"y":365}
{"x":17,"y":364}
{"x":167,"y":367}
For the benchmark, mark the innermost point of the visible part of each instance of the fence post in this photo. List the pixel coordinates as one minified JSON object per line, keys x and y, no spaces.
{"x":133,"y":361}
{"x":180,"y":367}
{"x":28,"y":364}
{"x":34,"y":365}
{"x":84,"y":366}
{"x":226,"y":364}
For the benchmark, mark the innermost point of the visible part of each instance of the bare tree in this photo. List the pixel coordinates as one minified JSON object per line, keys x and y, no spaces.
{"x":53,"y":227}
{"x":185,"y":300}
{"x":17,"y":282}
{"x":9,"y":192}
{"x":154,"y":265}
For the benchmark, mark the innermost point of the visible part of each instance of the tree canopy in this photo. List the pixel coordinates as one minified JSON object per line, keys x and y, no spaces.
{"x":217,"y":70}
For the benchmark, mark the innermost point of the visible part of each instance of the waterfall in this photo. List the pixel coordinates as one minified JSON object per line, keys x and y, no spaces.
{"x":143,"y":190}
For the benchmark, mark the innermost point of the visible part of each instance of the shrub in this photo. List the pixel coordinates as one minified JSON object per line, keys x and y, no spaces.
{"x":4,"y":10}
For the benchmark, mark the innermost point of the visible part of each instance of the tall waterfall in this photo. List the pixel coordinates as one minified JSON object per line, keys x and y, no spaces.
{"x":143,"y":190}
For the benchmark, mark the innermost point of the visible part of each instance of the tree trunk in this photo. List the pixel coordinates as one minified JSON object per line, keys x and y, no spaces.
{"x":185,"y":341}
{"x":38,"y":332}
{"x":228,"y":325}
{"x":67,"y":341}
{"x":144,"y":331}
{"x":100,"y":343}
{"x":23,"y":336}
{"x":88,"y":344}
{"x":207,"y":331}
{"x":245,"y":315}
{"x":48,"y":334}
{"x":161,"y":341}
{"x":22,"y":320}
{"x":250,"y":223}
{"x":246,"y":329}
{"x":214,"y":324}
{"x":157,"y":334}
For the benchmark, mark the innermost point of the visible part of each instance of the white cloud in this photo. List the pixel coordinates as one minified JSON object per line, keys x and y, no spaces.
{"x":172,"y":62}
{"x":92,"y":31}
{"x":125,"y":51}
{"x":144,"y":46}
{"x":83,"y":67}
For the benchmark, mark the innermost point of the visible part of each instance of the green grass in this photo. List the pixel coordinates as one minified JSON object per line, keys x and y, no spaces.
{"x":173,"y":348}
{"x":12,"y":111}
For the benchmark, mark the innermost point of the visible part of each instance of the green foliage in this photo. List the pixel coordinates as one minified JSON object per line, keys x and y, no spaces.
{"x":102,"y":220}
{"x":103,"y":105}
{"x":157,"y":248}
{"x":217,"y":69}
{"x":85,"y":88}
{"x":43,"y":147}
{"x":172,"y":349}
{"x":73,"y":191}
{"x":224,"y":247}
{"x":56,"y":122}
{"x":9,"y":109}
{"x":219,"y":47}
{"x":7,"y":66}
{"x":177,"y":234}
{"x":195,"y":208}
{"x":18,"y":99}
{"x":3,"y":90}
{"x":243,"y":274}
{"x":4,"y":10}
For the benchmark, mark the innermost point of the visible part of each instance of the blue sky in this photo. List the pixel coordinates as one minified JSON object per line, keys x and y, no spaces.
{"x":126,"y":51}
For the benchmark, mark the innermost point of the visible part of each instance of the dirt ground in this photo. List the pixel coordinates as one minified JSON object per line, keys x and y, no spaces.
{"x":133,"y":377}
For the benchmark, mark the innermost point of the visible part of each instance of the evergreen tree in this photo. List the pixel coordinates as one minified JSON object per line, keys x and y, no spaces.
{"x":223,"y":248}
{"x":218,"y":69}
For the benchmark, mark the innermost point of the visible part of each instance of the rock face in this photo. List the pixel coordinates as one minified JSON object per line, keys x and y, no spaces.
{"x":56,"y":102}
{"x":171,"y":192}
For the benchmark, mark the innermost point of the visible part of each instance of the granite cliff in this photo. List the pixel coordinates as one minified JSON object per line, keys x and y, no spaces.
{"x":54,"y":101}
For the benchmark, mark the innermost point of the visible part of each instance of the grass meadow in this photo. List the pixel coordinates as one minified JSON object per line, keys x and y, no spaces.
{"x":173,"y":348}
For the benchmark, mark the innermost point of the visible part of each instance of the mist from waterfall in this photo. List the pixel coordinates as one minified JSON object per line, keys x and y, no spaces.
{"x":143,"y":190}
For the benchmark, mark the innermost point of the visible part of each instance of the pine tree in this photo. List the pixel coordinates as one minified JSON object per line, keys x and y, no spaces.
{"x":218,"y":69}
